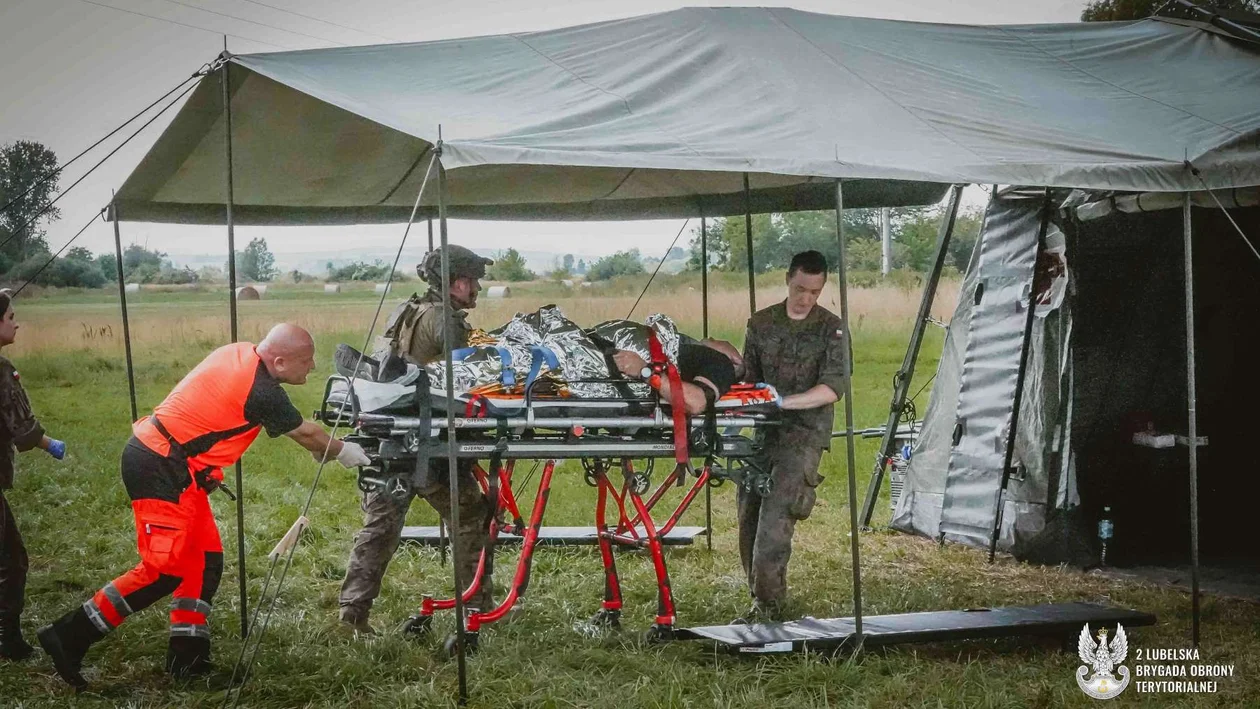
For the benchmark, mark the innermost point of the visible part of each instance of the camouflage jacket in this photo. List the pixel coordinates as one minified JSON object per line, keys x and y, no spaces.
{"x":795,"y":356}
{"x":18,"y":427}
{"x":415,"y":330}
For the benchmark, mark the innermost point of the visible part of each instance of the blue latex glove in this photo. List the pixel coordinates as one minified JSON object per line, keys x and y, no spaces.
{"x":56,"y":448}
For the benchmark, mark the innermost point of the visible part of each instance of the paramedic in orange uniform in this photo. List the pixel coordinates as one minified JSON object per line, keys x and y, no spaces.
{"x":174,"y":459}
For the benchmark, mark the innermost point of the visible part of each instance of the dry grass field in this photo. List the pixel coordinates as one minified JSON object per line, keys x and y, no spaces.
{"x":78,"y":527}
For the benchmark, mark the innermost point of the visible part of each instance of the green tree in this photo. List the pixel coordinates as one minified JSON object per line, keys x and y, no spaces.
{"x":568,"y":263}
{"x":1112,"y":10}
{"x":622,"y":263}
{"x":141,"y":265}
{"x":509,"y":266}
{"x":963,"y":241}
{"x":23,"y":164}
{"x":256,"y":263}
{"x":581,"y":267}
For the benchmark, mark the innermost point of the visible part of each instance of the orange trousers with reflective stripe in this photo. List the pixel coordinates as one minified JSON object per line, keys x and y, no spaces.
{"x":181,"y":554}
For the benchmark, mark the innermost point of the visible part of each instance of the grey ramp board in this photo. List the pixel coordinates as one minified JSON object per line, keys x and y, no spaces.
{"x":1053,"y":619}
{"x":554,"y":536}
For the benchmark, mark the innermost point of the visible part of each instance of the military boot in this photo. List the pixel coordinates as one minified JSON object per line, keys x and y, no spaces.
{"x":188,"y":657}
{"x":66,"y":641}
{"x":13,"y":646}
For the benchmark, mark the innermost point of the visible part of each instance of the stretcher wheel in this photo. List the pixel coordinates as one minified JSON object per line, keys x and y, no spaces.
{"x":764,"y":485}
{"x":449,"y":645}
{"x":640,"y":483}
{"x":418,"y":626}
{"x":715,"y":481}
{"x":658,"y":634}
{"x":366,"y":485}
{"x":607,"y":618}
{"x":398,"y":487}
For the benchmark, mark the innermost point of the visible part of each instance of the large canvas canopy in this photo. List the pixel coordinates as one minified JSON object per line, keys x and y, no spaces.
{"x":661,"y":115}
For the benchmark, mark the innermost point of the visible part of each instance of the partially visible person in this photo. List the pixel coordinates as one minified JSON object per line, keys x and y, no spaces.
{"x":20,"y":430}
{"x":712,"y":365}
{"x":800,"y":348}
{"x":173,"y":460}
{"x":416,"y":333}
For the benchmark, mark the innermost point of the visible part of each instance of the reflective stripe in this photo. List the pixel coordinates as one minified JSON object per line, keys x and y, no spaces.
{"x":190,"y":630}
{"x":191,"y":604}
{"x":95,"y":616}
{"x":115,"y":597}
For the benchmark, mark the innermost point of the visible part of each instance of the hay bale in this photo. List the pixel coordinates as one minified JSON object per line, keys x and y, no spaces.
{"x":498,"y":292}
{"x":587,"y":284}
{"x":566,"y":283}
{"x":247,"y":293}
{"x":382,"y":288}
{"x":261,"y":288}
{"x":131,"y":288}
{"x":331,"y":288}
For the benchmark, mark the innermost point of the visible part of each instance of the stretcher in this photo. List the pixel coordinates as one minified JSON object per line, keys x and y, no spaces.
{"x":404,"y":426}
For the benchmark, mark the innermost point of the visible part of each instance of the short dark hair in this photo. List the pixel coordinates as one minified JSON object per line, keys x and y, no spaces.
{"x":811,"y":262}
{"x":5,"y":301}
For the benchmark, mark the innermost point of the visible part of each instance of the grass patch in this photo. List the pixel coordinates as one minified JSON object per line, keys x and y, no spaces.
{"x":77,"y":523}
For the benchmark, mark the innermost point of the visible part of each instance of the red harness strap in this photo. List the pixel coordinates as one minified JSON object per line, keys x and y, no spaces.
{"x":676,"y":401}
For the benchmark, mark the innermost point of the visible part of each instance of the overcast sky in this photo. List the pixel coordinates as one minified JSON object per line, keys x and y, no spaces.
{"x":76,"y":69}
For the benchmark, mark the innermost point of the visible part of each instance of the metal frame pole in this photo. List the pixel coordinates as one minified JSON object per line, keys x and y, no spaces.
{"x":231,"y":236}
{"x":748,"y":239}
{"x":430,"y":233}
{"x":901,"y":383}
{"x":126,"y":321}
{"x":1025,"y":347}
{"x":843,"y":283}
{"x":704,"y":329}
{"x":451,"y":433}
{"x":1192,"y":423}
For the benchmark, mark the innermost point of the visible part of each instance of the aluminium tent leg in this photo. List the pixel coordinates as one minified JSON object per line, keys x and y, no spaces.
{"x":704,"y":331}
{"x":126,"y":321}
{"x":452,"y":436}
{"x":1192,"y":424}
{"x":231,"y":236}
{"x":1025,"y":348}
{"x":430,"y":233}
{"x":901,"y":387}
{"x":842,"y":278}
{"x":748,"y":240}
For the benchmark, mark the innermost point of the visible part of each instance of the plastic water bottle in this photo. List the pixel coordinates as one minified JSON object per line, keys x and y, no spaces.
{"x":1106,"y":530}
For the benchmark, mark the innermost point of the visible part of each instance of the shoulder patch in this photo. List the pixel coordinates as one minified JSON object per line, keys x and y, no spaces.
{"x":16,"y":376}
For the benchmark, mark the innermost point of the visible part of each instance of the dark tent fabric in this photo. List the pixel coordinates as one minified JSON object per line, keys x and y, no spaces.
{"x":660,"y":116}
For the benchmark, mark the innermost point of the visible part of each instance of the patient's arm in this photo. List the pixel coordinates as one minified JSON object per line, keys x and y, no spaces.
{"x":693,"y":395}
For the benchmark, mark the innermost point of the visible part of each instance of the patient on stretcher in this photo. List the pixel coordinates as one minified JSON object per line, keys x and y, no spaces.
{"x":544,"y":356}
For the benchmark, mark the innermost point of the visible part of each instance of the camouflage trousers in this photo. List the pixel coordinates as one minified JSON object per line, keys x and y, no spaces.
{"x":383,"y":519}
{"x":766,"y":524}
{"x":13,"y":568}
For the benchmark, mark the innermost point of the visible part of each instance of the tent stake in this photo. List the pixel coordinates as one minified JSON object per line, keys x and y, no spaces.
{"x":452,"y":436}
{"x":1192,"y":424}
{"x":231,"y":236}
{"x":1025,"y":347}
{"x":704,"y":330}
{"x":906,"y":373}
{"x":748,"y":239}
{"x":843,"y":283}
{"x":126,"y":321}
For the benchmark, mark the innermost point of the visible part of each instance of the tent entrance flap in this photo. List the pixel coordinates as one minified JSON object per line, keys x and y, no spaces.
{"x":1000,"y":298}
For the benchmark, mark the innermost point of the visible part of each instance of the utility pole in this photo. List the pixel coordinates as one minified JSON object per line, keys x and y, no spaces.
{"x":885,"y":240}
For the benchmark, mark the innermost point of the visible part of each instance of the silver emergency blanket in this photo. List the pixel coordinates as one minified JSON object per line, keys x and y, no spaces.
{"x":633,"y":336}
{"x":664,"y":115}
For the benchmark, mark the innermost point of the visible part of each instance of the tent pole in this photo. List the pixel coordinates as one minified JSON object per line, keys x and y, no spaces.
{"x":704,"y":330}
{"x":1192,"y":423}
{"x":842,"y":276}
{"x":748,"y":238}
{"x":430,"y":233}
{"x":231,"y":236}
{"x":904,"y":376}
{"x":452,"y":436}
{"x":1025,"y":348}
{"x":126,"y":322}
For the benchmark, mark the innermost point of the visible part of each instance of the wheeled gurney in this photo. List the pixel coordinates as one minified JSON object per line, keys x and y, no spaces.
{"x":403,"y":427}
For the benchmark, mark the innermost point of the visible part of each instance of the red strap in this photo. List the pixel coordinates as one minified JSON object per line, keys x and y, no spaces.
{"x":676,"y":401}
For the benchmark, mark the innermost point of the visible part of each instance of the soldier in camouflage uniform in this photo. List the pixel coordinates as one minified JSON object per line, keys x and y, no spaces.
{"x":18,"y":429}
{"x":799,"y":347}
{"x":416,"y":332}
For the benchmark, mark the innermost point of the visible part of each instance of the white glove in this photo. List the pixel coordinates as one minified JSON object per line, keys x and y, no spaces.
{"x":352,"y":455}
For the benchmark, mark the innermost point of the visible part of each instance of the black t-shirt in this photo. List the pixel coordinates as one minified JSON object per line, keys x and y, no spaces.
{"x":268,"y":405}
{"x":695,"y":360}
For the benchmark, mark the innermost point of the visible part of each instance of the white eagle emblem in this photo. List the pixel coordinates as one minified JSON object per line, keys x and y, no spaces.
{"x":1103,"y":659}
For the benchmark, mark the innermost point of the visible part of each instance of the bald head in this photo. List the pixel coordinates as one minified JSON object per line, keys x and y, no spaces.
{"x":288,"y":353}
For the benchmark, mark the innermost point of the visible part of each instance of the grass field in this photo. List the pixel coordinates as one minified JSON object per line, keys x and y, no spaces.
{"x":77,"y":524}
